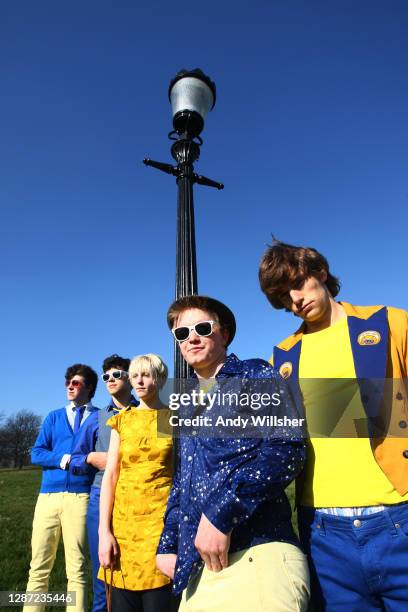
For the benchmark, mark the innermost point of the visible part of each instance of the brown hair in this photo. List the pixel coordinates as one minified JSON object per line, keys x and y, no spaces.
{"x":283,"y":266}
{"x":90,"y":376}
{"x":216,"y":309}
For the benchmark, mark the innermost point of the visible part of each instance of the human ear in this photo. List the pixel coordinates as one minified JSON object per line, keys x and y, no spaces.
{"x":225,"y":335}
{"x":323,"y":276}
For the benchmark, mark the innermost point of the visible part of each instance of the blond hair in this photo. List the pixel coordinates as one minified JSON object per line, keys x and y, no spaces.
{"x":154,"y":364}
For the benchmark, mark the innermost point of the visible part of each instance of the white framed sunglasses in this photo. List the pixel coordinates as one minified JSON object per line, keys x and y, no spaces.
{"x":203,"y":328}
{"x":115,"y":374}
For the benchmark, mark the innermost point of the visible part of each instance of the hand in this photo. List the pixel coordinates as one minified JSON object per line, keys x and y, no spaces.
{"x":166,"y":564}
{"x":212,"y":544}
{"x":108,"y":549}
{"x":97,"y":460}
{"x":64,"y":464}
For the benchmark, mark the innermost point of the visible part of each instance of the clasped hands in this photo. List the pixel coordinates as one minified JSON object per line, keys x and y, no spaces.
{"x":211,"y":543}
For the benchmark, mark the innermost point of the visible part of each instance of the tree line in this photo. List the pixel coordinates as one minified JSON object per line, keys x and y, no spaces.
{"x":17,"y":436}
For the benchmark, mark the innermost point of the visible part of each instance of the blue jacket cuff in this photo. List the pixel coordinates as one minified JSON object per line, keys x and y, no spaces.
{"x":224,"y":512}
{"x":79,"y":466}
{"x":168,"y":542}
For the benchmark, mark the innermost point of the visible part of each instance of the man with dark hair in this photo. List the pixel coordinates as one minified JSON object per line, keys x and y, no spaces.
{"x":227,"y":527}
{"x":90,"y":452}
{"x":353,"y":514}
{"x":63,"y":498}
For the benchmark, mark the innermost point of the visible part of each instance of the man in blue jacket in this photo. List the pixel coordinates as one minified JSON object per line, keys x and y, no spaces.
{"x":90,"y":453}
{"x":228,"y":541}
{"x":63,"y":498}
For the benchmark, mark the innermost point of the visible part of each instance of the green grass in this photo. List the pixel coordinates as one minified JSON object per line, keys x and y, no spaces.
{"x":19,"y":491}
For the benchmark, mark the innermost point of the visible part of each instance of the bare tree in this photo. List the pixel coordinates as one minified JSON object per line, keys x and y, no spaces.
{"x":17,"y":436}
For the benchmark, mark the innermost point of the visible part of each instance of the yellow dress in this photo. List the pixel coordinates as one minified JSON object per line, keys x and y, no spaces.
{"x":140,"y":499}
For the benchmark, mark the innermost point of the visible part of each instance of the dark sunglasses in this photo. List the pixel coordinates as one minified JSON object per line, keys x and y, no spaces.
{"x":115,"y":374}
{"x":74,"y":383}
{"x":204,"y":328}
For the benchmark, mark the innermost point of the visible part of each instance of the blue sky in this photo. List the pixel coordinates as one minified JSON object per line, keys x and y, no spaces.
{"x":309,"y":135}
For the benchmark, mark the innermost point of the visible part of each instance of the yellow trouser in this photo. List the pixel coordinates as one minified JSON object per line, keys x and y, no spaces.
{"x":271,"y":577}
{"x":56,"y":512}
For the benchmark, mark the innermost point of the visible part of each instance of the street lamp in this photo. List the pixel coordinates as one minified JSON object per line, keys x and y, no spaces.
{"x":192,"y":96}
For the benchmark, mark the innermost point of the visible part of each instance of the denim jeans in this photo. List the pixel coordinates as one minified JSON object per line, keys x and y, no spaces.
{"x":358,"y":563}
{"x":92,"y":524}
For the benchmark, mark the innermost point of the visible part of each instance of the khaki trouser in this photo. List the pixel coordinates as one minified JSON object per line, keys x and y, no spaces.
{"x":271,"y":577}
{"x":56,"y":513}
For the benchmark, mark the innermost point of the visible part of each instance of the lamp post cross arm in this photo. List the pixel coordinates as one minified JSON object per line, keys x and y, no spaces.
{"x":179,"y":171}
{"x":203,"y":180}
{"x":167,"y":168}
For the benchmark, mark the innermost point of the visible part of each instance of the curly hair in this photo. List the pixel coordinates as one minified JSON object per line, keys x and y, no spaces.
{"x":90,"y":376}
{"x":122,"y":363}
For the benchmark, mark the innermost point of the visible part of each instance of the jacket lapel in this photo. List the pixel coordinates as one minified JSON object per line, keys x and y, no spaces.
{"x":369,"y":344}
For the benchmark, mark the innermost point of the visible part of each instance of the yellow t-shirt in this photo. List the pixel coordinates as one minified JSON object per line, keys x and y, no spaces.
{"x":339,"y":471}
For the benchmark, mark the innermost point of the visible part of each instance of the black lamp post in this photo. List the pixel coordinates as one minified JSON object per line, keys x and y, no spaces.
{"x":192,"y":96}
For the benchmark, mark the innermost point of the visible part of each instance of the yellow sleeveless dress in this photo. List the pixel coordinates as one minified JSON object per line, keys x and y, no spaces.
{"x":140,"y":499}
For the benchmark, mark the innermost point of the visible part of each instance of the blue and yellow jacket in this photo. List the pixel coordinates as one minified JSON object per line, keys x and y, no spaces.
{"x":379,"y":342}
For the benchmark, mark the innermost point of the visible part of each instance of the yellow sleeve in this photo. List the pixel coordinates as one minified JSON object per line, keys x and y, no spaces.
{"x":115,"y":422}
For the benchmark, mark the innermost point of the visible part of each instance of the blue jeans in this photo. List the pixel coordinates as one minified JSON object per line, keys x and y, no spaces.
{"x":92,"y":524}
{"x":357,"y":563}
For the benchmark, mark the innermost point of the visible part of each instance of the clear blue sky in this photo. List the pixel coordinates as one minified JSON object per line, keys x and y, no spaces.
{"x":309,"y":135}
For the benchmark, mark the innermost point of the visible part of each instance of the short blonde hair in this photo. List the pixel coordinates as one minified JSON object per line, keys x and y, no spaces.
{"x":154,"y":364}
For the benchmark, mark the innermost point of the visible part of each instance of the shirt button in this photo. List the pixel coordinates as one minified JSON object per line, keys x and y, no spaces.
{"x":397,"y":525}
{"x":185,"y":518}
{"x":405,"y":454}
{"x":357,"y":523}
{"x":250,"y":559}
{"x":402,"y":424}
{"x":399,"y":396}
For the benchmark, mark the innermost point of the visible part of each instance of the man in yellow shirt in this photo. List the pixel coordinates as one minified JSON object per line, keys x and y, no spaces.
{"x":348,"y":366}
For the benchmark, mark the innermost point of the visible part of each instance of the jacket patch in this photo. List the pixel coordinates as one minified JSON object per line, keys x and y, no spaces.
{"x":368,"y":338}
{"x":286,"y":369}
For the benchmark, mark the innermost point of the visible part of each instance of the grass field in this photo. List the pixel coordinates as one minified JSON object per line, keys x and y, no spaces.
{"x":19,"y":490}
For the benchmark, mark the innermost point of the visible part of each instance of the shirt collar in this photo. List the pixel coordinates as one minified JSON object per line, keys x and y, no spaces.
{"x":232,"y":365}
{"x":88,"y":406}
{"x":112,"y":408}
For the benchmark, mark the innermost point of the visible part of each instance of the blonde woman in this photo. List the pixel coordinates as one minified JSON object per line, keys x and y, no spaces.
{"x":134,"y":493}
